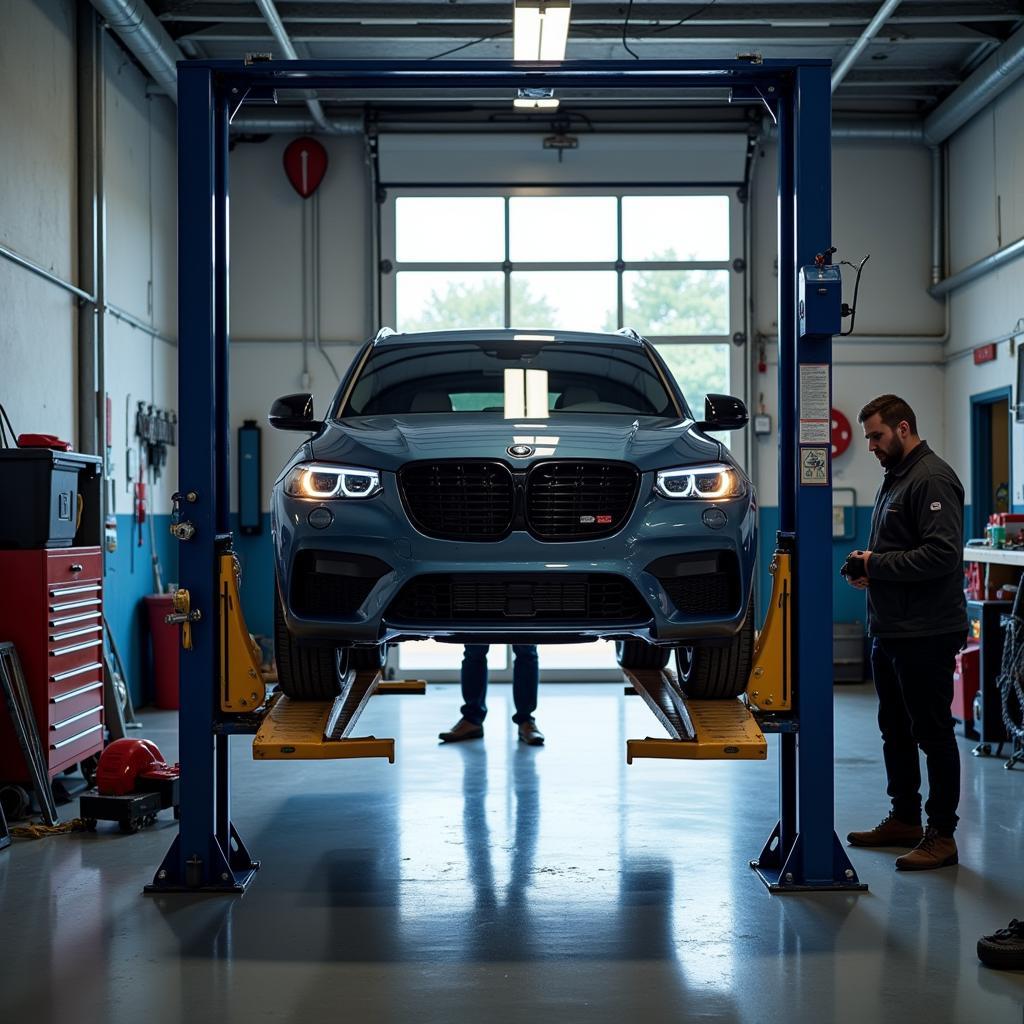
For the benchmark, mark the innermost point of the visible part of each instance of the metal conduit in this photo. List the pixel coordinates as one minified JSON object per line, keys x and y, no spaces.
{"x":999,"y":72}
{"x":866,"y":36}
{"x":147,"y":39}
{"x":983,"y":266}
{"x":276,"y":25}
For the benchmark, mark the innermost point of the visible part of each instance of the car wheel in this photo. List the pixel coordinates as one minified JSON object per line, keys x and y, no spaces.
{"x":367,"y":659}
{"x":640,"y":654}
{"x":306,"y":672}
{"x":718,"y":673}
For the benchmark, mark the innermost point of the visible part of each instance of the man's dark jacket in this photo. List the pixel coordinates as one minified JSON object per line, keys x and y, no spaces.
{"x":915,"y":572}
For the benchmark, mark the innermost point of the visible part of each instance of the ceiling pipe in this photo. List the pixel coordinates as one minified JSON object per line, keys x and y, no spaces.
{"x":257,"y":123}
{"x":867,"y":35}
{"x":276,"y":25}
{"x":137,"y":27}
{"x":983,"y":266}
{"x":999,"y":72}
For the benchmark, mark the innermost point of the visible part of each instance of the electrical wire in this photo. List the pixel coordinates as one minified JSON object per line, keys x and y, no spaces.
{"x":625,"y":28}
{"x":472,"y":42}
{"x":856,"y":288}
{"x":663,"y":28}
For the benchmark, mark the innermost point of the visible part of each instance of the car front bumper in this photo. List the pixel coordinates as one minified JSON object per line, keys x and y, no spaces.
{"x":378,"y":536}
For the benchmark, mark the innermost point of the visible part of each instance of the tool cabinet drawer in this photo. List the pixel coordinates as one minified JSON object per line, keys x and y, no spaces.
{"x":67,"y":680}
{"x":65,"y":707}
{"x":69,"y":567}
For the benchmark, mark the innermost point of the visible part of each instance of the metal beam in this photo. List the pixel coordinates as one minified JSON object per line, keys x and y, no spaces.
{"x":754,"y":34}
{"x":874,"y":27}
{"x":650,"y":13}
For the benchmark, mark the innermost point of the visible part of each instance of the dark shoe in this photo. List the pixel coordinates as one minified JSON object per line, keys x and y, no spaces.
{"x":890,"y":832}
{"x":934,"y":851}
{"x":462,"y":730}
{"x":530,"y":734}
{"x":1004,"y":949}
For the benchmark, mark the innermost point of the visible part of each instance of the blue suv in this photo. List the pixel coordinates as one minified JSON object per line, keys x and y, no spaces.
{"x":512,"y":487}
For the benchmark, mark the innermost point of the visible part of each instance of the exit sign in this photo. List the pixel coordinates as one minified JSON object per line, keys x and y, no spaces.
{"x":984,"y":354}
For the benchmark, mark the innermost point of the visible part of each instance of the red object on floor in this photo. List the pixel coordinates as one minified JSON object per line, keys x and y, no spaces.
{"x":124,"y":762}
{"x":966,"y":682}
{"x":166,"y":644}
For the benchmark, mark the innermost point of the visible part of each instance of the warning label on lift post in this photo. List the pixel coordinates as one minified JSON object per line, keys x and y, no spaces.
{"x":815,"y":425}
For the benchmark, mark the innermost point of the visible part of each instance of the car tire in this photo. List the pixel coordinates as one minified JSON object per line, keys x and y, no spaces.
{"x":367,"y":659}
{"x":718,"y":673}
{"x":640,"y":654}
{"x":306,"y":672}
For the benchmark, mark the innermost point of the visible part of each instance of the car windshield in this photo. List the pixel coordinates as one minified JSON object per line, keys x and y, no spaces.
{"x":513,"y":379}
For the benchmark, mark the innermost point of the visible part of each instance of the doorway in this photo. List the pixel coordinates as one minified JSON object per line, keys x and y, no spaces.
{"x":991,"y":428}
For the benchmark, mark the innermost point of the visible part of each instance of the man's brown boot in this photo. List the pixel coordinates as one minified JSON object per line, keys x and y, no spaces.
{"x":463,"y":729}
{"x":934,"y":851}
{"x":890,"y":832}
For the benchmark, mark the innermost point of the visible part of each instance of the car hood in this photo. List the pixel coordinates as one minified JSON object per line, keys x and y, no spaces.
{"x":388,"y":442}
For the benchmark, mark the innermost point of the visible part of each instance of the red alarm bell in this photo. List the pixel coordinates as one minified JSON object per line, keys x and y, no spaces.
{"x":305,"y":163}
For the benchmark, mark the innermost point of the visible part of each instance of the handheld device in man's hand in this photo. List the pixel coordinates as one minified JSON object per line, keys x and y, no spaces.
{"x":853,"y":568}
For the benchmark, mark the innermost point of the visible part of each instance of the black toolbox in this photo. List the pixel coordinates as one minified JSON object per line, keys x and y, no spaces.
{"x":48,"y":499}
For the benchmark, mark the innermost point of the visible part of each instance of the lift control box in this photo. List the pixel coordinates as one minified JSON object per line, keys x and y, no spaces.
{"x":821,"y":300}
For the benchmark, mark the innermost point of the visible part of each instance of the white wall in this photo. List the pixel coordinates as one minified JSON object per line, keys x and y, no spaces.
{"x":140,"y":155}
{"x":986,"y":201}
{"x":38,"y":375}
{"x":38,"y":218}
{"x":881,"y":201}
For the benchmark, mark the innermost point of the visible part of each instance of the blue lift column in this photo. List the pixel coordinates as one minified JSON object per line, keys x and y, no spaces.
{"x":208,"y":854}
{"x":804,"y":852}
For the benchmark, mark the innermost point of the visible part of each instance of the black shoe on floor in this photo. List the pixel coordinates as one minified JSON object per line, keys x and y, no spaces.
{"x":1004,"y":949}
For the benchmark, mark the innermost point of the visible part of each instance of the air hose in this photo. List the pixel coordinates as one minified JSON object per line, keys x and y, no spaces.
{"x":1011,"y":673}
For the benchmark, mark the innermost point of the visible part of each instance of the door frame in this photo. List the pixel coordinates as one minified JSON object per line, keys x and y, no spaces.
{"x":981,"y":452}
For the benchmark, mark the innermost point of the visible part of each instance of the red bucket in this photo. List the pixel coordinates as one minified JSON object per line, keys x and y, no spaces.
{"x":166,"y":639}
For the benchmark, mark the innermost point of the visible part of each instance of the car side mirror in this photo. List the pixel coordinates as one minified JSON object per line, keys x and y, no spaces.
{"x":723,"y":412}
{"x":294,"y":412}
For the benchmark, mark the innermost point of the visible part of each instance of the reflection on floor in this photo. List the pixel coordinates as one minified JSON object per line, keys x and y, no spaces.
{"x":494,"y":882}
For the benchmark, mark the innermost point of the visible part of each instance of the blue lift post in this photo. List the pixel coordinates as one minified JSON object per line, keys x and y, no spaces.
{"x":803,"y":853}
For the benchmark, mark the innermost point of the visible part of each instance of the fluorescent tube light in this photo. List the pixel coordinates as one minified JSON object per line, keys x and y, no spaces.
{"x":541,"y":29}
{"x":515,"y":395}
{"x":550,"y":104}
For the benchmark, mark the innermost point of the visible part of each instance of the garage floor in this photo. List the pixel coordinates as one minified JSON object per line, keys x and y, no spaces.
{"x":494,"y":882}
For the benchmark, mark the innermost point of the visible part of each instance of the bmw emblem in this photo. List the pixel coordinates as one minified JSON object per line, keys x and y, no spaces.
{"x":520,"y":451}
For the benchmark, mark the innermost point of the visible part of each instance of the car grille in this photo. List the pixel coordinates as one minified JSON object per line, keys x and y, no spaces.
{"x":700,"y":584}
{"x":568,"y":597}
{"x":476,"y":500}
{"x":459,"y":500}
{"x":327,"y":585}
{"x":579,"y":500}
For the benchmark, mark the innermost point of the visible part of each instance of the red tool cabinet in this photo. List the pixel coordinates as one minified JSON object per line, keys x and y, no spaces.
{"x":51,"y":607}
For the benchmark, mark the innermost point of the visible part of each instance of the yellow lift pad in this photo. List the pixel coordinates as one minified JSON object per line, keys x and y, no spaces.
{"x":722,"y":730}
{"x":300,"y":730}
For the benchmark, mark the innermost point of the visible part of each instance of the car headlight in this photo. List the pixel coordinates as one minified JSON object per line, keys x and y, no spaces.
{"x":319,"y":481}
{"x":703,"y":483}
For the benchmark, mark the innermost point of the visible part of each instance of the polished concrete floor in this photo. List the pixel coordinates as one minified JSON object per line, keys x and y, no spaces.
{"x":493,"y":882}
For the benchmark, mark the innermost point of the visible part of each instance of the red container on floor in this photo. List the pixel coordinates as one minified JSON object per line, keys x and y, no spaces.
{"x":166,"y":640}
{"x":965,"y":685}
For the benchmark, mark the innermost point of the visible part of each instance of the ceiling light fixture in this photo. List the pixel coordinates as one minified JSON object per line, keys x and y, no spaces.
{"x":541,"y":29}
{"x":535,"y":99}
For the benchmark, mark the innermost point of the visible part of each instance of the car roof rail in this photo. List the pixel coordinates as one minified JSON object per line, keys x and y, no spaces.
{"x":628,"y":332}
{"x":384,"y":332}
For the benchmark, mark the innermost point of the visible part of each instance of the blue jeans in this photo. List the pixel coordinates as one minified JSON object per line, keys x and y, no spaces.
{"x":525,"y":678}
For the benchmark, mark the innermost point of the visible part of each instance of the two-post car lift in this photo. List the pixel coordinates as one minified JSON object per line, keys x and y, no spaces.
{"x":790,"y":689}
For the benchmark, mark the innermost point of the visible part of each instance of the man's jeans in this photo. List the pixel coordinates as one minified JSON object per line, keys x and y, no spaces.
{"x":525,"y":677}
{"x":914,"y":681}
